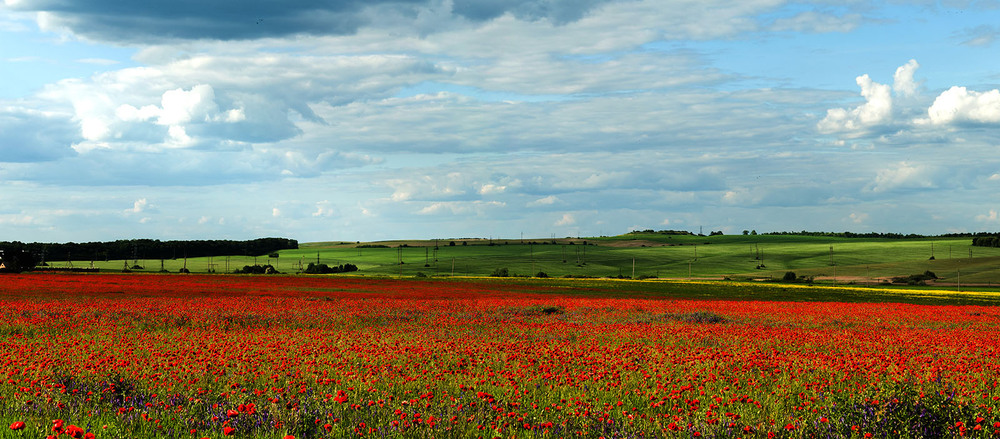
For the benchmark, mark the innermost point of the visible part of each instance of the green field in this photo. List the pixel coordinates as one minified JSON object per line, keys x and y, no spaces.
{"x":737,"y":257}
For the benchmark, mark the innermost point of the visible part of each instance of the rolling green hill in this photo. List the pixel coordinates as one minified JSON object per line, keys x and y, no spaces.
{"x":827,"y":259}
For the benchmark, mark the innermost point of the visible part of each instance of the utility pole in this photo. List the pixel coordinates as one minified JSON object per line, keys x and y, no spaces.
{"x":633,"y":267}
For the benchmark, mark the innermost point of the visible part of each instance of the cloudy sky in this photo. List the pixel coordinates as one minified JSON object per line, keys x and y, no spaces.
{"x":380,"y":119}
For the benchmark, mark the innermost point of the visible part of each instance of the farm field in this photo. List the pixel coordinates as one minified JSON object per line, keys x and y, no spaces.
{"x":141,"y":355}
{"x":826,"y":259}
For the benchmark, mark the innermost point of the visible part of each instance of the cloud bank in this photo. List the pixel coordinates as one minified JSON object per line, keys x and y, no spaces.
{"x":426,"y":118}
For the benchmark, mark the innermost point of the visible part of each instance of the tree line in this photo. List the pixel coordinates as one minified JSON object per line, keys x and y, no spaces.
{"x":130,"y":249}
{"x":986,"y":241}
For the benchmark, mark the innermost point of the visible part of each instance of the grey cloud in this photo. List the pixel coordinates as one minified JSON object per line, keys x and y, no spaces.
{"x":558,"y":11}
{"x":31,"y":136}
{"x":182,"y":168}
{"x":817,"y":22}
{"x":979,"y":36}
{"x":161,"y":20}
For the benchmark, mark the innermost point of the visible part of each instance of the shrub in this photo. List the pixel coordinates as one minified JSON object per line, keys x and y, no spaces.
{"x":313,"y":268}
{"x":538,"y":310}
{"x":541,"y":274}
{"x":501,"y":272}
{"x":256,"y":269}
{"x":789,"y":276}
{"x":915,"y":279}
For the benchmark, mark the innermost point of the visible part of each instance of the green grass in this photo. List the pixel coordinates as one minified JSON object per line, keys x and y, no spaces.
{"x":857,"y":260}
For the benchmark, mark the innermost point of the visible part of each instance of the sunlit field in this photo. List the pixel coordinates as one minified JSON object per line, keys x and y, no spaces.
{"x":128,"y":356}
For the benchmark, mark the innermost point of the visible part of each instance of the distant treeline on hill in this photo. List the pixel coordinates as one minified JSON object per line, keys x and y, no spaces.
{"x":660,"y":232}
{"x":974,"y":235}
{"x":986,"y":241}
{"x":852,"y":234}
{"x":148,"y":249}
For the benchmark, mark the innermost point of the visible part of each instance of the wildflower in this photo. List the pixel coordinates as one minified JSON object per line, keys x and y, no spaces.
{"x":74,"y":432}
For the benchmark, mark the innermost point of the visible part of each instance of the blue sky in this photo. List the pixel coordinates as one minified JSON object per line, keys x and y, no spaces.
{"x":370,"y":120}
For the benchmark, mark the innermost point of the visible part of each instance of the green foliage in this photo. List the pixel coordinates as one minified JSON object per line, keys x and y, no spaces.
{"x":314,"y":268}
{"x":915,"y":279}
{"x":153,"y":249}
{"x":789,"y":276}
{"x":660,"y":232}
{"x":501,"y":272}
{"x":256,"y":269}
{"x":16,"y":260}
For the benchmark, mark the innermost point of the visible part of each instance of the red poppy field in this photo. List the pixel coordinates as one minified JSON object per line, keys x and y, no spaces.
{"x":128,"y":356}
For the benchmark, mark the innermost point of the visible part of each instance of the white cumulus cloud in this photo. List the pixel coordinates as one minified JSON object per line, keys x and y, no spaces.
{"x":903,"y":81}
{"x":323,"y":209}
{"x":992,"y":217}
{"x":139,"y":206}
{"x":490,"y":188}
{"x":959,"y":104}
{"x":904,"y":175}
{"x":876,"y":109}
{"x":566,"y":220}
{"x":544,"y":201}
{"x":182,"y":106}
